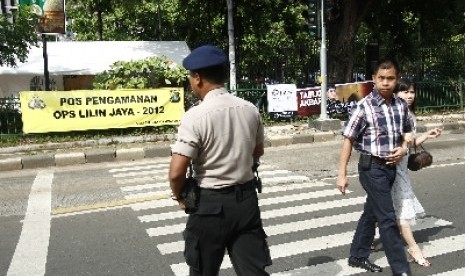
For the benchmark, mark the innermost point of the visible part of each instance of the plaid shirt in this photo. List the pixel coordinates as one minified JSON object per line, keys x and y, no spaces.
{"x":377,"y":127}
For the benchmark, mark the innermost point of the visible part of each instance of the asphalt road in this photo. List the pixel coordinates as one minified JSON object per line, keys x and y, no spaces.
{"x":114,"y":218}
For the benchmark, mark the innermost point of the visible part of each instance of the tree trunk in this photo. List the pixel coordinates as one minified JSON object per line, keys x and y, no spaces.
{"x":232,"y":47}
{"x":100,"y":25}
{"x":342,"y":32}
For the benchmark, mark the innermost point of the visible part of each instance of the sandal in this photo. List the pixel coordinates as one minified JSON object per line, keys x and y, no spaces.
{"x":421,"y":261}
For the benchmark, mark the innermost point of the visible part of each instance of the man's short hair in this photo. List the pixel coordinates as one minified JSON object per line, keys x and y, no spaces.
{"x":215,"y":74}
{"x":387,"y":63}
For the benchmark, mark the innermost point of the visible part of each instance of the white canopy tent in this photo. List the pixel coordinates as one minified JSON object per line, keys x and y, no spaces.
{"x":82,"y":58}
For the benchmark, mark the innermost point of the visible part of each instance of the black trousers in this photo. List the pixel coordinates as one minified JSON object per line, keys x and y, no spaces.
{"x":377,"y":181}
{"x":228,"y":219}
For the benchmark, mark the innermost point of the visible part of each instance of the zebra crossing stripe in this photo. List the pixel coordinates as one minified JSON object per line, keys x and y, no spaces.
{"x":455,"y":272}
{"x":145,"y":187}
{"x":153,"y":204}
{"x":140,"y":168}
{"x":331,"y":241}
{"x":271,"y":230}
{"x":285,"y":228}
{"x":134,"y":180}
{"x":139,"y":162}
{"x":162,"y":170}
{"x":269,"y":189}
{"x":340,"y":267}
{"x":267,"y":181}
{"x":156,"y":174}
{"x":294,"y":210}
{"x":264,"y":174}
{"x":161,"y":194}
{"x":262,"y":202}
{"x":301,"y":196}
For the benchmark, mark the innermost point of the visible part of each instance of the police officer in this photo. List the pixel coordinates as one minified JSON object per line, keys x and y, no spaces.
{"x":221,"y":137}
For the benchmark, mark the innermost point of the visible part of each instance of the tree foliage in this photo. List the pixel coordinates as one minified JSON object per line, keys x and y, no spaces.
{"x":151,"y":72}
{"x":18,"y":37}
{"x":272,"y":36}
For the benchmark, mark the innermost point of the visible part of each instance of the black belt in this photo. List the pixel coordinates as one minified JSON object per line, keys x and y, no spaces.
{"x":380,"y":161}
{"x":249,"y":185}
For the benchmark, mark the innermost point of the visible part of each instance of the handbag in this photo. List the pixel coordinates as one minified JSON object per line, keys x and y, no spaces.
{"x":419,"y":160}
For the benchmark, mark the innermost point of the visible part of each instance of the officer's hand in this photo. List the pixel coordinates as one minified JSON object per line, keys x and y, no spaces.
{"x":181,"y":204}
{"x":342,"y":183}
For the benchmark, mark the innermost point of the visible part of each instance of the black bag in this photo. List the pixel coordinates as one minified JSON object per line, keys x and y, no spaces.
{"x":190,"y":193}
{"x":419,"y":160}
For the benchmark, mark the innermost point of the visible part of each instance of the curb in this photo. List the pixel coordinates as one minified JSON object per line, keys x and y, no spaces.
{"x":85,"y":156}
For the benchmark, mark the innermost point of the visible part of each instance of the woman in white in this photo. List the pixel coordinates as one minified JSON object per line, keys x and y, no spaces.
{"x":406,"y":204}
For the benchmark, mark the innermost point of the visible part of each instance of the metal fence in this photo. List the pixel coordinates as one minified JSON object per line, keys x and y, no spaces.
{"x":440,"y":96}
{"x":431,"y":96}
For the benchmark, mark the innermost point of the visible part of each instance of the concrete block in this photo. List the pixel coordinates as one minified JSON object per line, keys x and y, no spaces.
{"x":98,"y":156}
{"x":281,"y":141}
{"x":302,"y":138}
{"x":324,"y":137}
{"x":421,"y":129}
{"x":326,"y":125}
{"x":38,"y":161}
{"x":451,"y":126}
{"x":70,"y":158}
{"x":433,"y":125}
{"x":11,"y":164}
{"x":157,"y":151}
{"x":267,"y":143}
{"x":130,"y":154}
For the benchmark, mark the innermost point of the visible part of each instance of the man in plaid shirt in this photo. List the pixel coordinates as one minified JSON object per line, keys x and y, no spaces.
{"x":376,"y":130}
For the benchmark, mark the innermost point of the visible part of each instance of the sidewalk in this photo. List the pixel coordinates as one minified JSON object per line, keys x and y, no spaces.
{"x":139,"y":147}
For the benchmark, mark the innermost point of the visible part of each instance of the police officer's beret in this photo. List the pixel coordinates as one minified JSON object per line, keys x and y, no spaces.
{"x":203,"y":57}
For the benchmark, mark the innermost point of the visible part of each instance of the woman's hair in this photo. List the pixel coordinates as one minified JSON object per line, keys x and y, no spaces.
{"x":403,"y":85}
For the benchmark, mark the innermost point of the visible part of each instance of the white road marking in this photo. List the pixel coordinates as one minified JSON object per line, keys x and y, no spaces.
{"x":340,"y":267}
{"x":445,"y":165}
{"x":455,"y":272}
{"x":178,"y":228}
{"x":146,"y":186}
{"x":262,"y":202}
{"x":141,"y":162}
{"x":436,"y":247}
{"x":31,"y":251}
{"x":157,"y":174}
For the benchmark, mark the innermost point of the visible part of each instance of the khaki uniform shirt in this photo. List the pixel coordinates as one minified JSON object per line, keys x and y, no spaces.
{"x":220,"y":136}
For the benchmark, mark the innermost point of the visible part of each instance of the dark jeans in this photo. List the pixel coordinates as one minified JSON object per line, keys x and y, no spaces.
{"x":226,"y":220}
{"x":377,"y":182}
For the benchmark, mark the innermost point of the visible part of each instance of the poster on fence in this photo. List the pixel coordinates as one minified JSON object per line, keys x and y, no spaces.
{"x":355,"y":91}
{"x":62,"y":111}
{"x":309,"y":101}
{"x":51,"y":14}
{"x":282,"y":100}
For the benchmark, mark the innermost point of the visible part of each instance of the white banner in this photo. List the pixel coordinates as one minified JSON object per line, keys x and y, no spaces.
{"x":281,"y":97}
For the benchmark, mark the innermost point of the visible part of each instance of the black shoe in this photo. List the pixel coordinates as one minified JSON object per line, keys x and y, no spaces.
{"x":403,"y":274}
{"x":364,"y":263}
